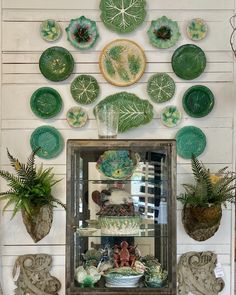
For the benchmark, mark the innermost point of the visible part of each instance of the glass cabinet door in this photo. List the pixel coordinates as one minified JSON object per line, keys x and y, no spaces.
{"x":121,"y":223}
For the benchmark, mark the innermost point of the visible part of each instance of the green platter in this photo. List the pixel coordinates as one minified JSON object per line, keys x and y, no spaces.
{"x":56,"y":63}
{"x":49,"y":139}
{"x":190,"y":140}
{"x":198,"y":101}
{"x":46,"y":102}
{"x":188,"y":61}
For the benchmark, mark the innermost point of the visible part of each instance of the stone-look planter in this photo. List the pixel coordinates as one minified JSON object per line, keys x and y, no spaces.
{"x":39,"y":224}
{"x":201,"y":223}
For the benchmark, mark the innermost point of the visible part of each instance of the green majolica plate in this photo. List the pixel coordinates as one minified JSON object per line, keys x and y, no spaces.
{"x":46,"y":102}
{"x":160,"y":87}
{"x":50,"y":30}
{"x":197,"y":29}
{"x":163,"y":32}
{"x":198,"y":101}
{"x":82,"y":32}
{"x":171,"y":116}
{"x":50,"y":141}
{"x":84,"y":89}
{"x":76,"y":117}
{"x":56,"y":63}
{"x":122,"y":62}
{"x":133,"y":111}
{"x":190,"y":140}
{"x":122,"y":16}
{"x":188,"y":61}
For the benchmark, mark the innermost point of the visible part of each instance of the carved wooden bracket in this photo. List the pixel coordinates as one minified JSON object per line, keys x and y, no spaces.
{"x":196,"y":274}
{"x":33,"y":277}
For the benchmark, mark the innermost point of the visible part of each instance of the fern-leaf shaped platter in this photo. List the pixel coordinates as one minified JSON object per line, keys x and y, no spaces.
{"x":122,"y":16}
{"x":133,"y":111}
{"x":122,"y":62}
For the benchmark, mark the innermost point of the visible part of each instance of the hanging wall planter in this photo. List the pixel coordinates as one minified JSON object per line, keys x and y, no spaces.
{"x":201,"y":223}
{"x":39,"y":224}
{"x":30,"y":194}
{"x":203,"y":200}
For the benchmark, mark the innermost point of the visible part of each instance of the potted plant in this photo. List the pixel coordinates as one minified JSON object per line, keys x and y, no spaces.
{"x":30,"y":192}
{"x":203,"y":200}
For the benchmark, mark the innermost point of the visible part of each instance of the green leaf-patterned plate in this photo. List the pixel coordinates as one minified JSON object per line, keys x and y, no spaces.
{"x":84,"y":89}
{"x":50,"y":30}
{"x":190,"y":140}
{"x":46,"y":102}
{"x":76,"y":117}
{"x":170,"y":116}
{"x":122,"y":62}
{"x":163,"y":32}
{"x":198,"y":101}
{"x":82,"y":32}
{"x":122,"y":16}
{"x":56,"y":63}
{"x":188,"y":61}
{"x":197,"y":29}
{"x":50,"y":141}
{"x":160,"y":87}
{"x":133,"y":111}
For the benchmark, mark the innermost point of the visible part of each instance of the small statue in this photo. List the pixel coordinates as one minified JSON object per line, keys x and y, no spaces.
{"x":116,"y":256}
{"x":124,"y":254}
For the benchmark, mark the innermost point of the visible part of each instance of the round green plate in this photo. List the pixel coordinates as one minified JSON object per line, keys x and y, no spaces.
{"x":188,"y":61}
{"x":160,"y":87}
{"x":122,"y":16}
{"x":56,"y":63}
{"x":171,"y":116}
{"x":198,"y":101}
{"x":76,"y":117}
{"x":190,"y":140}
{"x":84,"y":89}
{"x":46,"y":102}
{"x":50,"y":30}
{"x":197,"y":29}
{"x":49,"y":139}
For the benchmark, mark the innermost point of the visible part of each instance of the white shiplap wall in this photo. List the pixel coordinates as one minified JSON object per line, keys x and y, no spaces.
{"x":21,"y":49}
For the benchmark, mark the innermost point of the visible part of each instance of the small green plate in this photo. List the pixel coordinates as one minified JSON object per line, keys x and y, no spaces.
{"x":46,"y":102}
{"x":84,"y":89}
{"x":56,"y":63}
{"x":50,"y":30}
{"x":190,"y":140}
{"x":49,"y":139}
{"x":198,"y":101}
{"x":160,"y":87}
{"x":170,"y":116}
{"x":76,"y":117}
{"x":188,"y":61}
{"x":197,"y":29}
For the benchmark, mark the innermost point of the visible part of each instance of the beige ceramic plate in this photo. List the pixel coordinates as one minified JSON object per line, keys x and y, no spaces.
{"x":122,"y":62}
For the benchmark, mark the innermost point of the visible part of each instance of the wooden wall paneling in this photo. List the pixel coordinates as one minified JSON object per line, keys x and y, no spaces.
{"x":21,"y":51}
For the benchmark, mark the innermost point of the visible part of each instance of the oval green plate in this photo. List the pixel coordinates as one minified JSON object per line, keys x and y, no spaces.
{"x":56,"y":63}
{"x":160,"y":87}
{"x":188,"y":61}
{"x":198,"y":101}
{"x":46,"y":102}
{"x":190,"y":140}
{"x":84,"y":89}
{"x":76,"y":117}
{"x":49,"y":139}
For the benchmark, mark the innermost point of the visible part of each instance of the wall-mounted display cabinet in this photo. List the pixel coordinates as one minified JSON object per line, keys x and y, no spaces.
{"x":121,"y":217}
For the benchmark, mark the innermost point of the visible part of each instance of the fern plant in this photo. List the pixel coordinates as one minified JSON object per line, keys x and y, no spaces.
{"x":30,"y":188}
{"x":209,"y":189}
